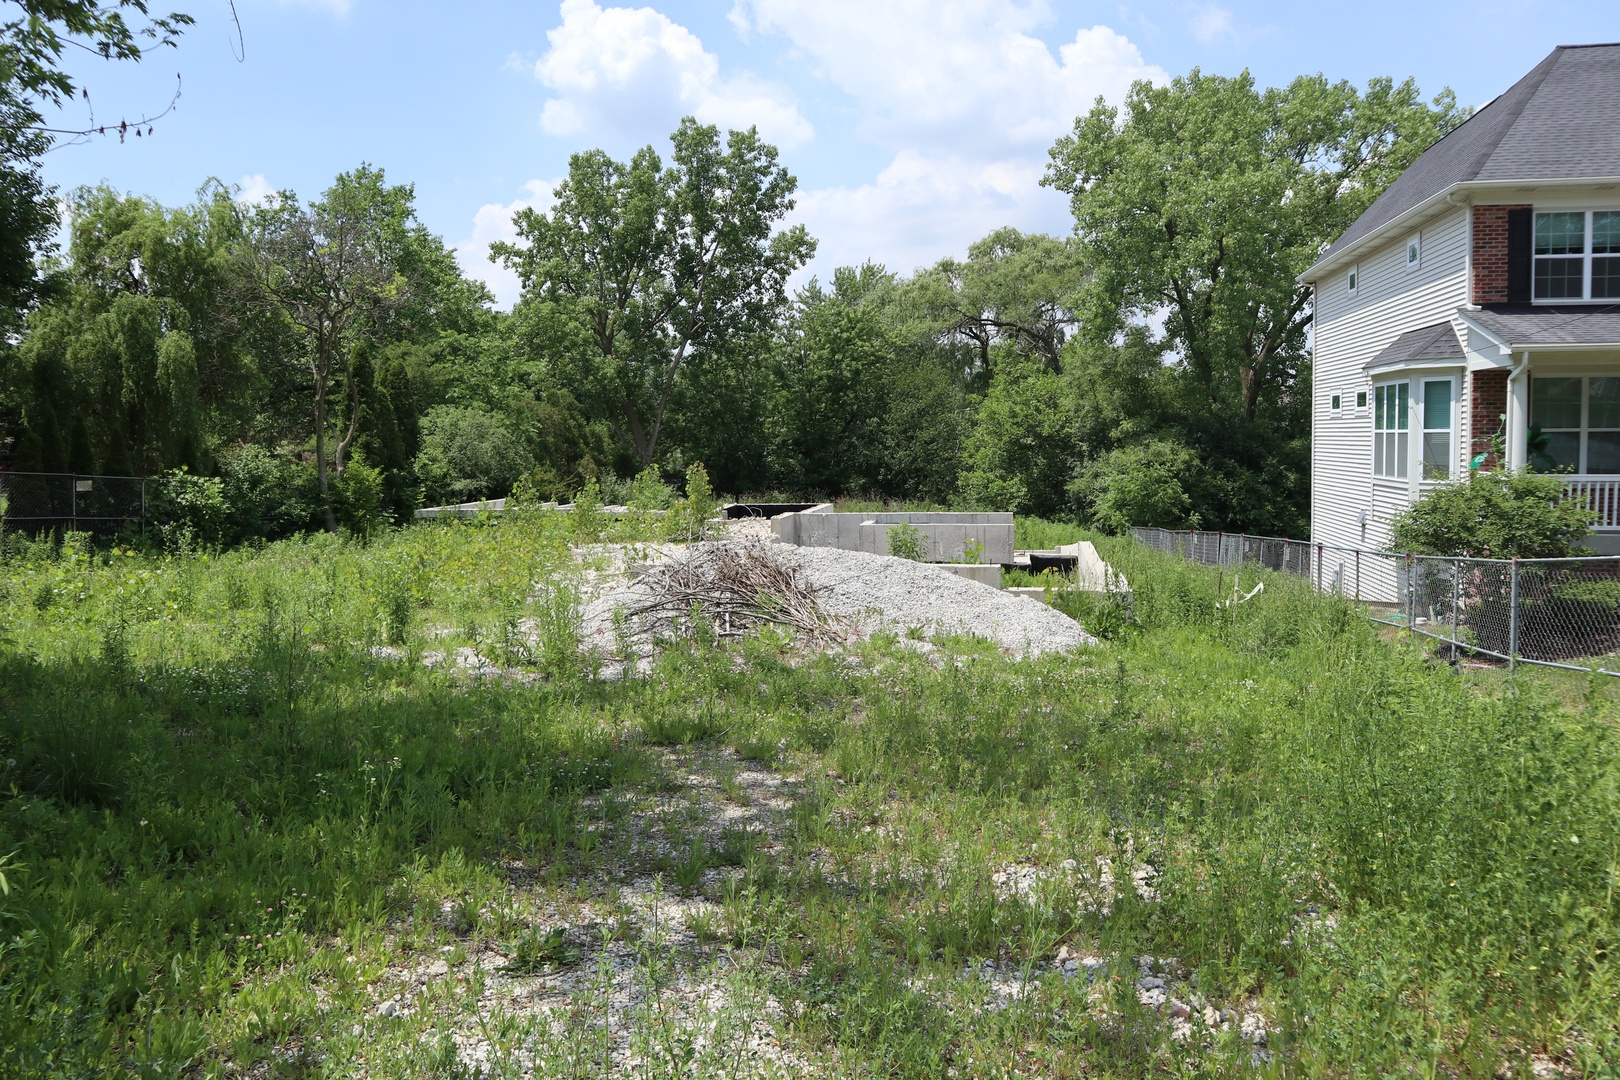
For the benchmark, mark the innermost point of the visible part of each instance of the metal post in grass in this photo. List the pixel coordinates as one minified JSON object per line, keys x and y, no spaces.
{"x":1358,"y":575}
{"x":1411,"y":594}
{"x":1319,"y":566}
{"x":1456,"y":599}
{"x":1513,"y":614}
{"x":73,"y":501}
{"x":143,"y":506}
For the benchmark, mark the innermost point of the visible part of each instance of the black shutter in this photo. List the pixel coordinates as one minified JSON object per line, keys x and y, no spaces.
{"x":1518,"y":257}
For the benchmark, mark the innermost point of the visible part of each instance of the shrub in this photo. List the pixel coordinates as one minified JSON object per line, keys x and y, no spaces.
{"x":359,"y":502}
{"x":266,"y":495}
{"x":468,"y":454}
{"x":1498,"y":515}
{"x":189,"y":509}
{"x":1138,"y":485}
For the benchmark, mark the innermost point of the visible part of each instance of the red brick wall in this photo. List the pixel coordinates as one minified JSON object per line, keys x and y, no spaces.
{"x":1486,"y":406}
{"x":1490,"y":284}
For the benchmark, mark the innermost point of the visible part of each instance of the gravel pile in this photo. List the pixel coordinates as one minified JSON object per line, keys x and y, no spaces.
{"x":870,"y":593}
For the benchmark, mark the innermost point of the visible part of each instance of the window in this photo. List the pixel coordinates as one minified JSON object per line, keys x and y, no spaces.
{"x":1577,"y":255}
{"x":1414,"y":251}
{"x":1353,"y":275}
{"x":1579,"y":416}
{"x":1436,"y":429}
{"x":1390,"y":445}
{"x":1361,"y":399}
{"x":1335,"y":402}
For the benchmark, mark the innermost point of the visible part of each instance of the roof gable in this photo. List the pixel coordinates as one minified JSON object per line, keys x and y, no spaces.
{"x":1561,"y":121}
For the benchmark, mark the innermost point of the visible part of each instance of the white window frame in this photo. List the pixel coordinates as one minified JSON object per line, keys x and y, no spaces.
{"x":1391,"y":448}
{"x":1586,"y":255}
{"x":1336,"y":401}
{"x":1353,"y":278}
{"x":1453,"y":415}
{"x":1362,"y":398}
{"x":1414,"y":251}
{"x":1582,"y":433}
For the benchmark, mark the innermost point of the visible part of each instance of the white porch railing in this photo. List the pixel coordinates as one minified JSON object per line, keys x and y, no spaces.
{"x":1602,"y":496}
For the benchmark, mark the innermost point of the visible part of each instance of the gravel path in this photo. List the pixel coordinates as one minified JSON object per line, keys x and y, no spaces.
{"x":870,"y":593}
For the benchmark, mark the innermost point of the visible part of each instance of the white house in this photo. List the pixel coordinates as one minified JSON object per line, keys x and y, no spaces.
{"x":1477,"y":298}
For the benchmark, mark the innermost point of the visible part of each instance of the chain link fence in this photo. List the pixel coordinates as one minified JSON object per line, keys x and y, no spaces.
{"x":43,"y":502}
{"x":1556,"y":612}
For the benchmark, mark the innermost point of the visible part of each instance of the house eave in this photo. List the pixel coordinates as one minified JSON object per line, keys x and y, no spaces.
{"x":1450,"y":196}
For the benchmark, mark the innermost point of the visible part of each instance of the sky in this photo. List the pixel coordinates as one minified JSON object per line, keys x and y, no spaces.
{"x":914,"y":127}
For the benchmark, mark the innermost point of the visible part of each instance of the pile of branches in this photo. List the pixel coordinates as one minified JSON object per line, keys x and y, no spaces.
{"x":729,"y":589}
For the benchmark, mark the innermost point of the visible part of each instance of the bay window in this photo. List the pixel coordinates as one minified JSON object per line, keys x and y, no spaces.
{"x":1437,"y":429}
{"x":1426,"y":404}
{"x":1577,"y":255}
{"x":1390,"y":438}
{"x":1579,"y":417}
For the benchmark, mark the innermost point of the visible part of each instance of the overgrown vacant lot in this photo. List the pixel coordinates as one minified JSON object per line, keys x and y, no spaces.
{"x":325,"y":809}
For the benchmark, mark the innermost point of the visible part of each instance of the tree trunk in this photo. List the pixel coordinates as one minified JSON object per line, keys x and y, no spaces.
{"x":320,"y":455}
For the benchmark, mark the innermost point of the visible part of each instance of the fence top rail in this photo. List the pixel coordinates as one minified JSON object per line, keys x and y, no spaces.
{"x":1374,"y":552}
{"x":8,"y":474}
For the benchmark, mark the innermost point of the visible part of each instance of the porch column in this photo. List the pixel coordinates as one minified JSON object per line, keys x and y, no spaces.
{"x":1518,"y":412}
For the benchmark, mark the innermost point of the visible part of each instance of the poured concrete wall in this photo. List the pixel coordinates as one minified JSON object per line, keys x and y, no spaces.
{"x":946,"y":535}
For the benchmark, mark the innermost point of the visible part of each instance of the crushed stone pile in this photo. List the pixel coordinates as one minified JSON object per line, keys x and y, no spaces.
{"x":866,"y":594}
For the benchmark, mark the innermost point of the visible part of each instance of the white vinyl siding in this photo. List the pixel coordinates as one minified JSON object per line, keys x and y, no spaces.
{"x":1349,"y":331}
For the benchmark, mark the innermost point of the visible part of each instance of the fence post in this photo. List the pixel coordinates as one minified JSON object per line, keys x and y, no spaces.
{"x":1411,"y":594}
{"x":1513,"y":614}
{"x":1358,"y":575}
{"x":143,"y":506}
{"x":1243,"y":542}
{"x":1456,"y":599}
{"x":73,"y":501}
{"x":1319,"y":566}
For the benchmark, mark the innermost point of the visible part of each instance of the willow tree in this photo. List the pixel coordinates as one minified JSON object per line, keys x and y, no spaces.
{"x":639,"y":267}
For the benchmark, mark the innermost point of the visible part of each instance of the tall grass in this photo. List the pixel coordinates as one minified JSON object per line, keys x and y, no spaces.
{"x":231,"y":792}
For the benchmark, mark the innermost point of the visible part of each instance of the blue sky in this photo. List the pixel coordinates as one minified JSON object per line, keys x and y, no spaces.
{"x":914,"y":126}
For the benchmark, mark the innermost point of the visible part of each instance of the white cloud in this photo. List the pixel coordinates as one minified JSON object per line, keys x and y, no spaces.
{"x":920,"y":209}
{"x":967,"y":100}
{"x":255,"y":189}
{"x":493,"y":222}
{"x":634,"y":72}
{"x":952,"y":73}
{"x":1210,"y":22}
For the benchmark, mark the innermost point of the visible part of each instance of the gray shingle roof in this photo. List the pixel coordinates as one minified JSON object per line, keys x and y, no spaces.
{"x":1559,"y":122}
{"x":1550,"y":327}
{"x":1437,"y":342}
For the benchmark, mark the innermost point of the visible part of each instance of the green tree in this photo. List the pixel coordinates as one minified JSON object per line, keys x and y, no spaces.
{"x":650,"y":268}
{"x":334,"y":270}
{"x":33,"y":77}
{"x":1204,"y":199}
{"x":1022,"y":448}
{"x":1015,"y":289}
{"x":147,"y":322}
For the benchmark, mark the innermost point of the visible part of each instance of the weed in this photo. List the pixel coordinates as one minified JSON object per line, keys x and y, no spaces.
{"x":535,"y":951}
{"x":688,"y":867}
{"x":906,"y":541}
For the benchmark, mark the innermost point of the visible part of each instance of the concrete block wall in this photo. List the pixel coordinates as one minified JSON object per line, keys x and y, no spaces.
{"x":947,"y":535}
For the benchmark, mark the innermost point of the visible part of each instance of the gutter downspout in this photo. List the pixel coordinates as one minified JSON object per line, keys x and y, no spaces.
{"x":1517,"y":427}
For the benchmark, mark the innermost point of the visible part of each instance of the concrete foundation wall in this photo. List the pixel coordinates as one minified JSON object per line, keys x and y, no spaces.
{"x":946,"y":535}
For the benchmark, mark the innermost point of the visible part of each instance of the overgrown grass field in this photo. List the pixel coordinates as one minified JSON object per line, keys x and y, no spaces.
{"x":256,"y":820}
